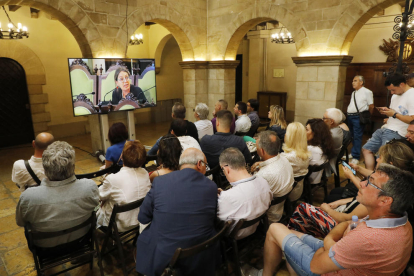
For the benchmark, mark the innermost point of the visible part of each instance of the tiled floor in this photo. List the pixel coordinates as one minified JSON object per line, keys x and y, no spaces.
{"x":15,"y":258}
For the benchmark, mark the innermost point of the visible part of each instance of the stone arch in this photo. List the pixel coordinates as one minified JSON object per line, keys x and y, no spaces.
{"x":160,"y":48}
{"x":73,"y":18}
{"x":351,"y":21}
{"x":173,"y":22}
{"x":35,"y":77}
{"x":242,"y":24}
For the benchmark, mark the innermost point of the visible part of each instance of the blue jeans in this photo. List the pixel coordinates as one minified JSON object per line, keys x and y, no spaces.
{"x":379,"y":138}
{"x":154,"y":149}
{"x":357,"y":131}
{"x":299,"y":252}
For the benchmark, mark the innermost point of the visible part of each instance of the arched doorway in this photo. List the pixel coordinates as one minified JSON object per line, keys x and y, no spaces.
{"x":15,"y":116}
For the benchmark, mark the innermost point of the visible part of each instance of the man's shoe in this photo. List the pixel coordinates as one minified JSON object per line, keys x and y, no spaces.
{"x":349,"y":157}
{"x":247,"y":270}
{"x":354,"y":161}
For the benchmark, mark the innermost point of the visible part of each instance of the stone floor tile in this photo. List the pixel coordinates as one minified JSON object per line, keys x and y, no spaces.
{"x":4,"y":194}
{"x":12,"y":239}
{"x":16,"y":195}
{"x":3,"y":271}
{"x":8,"y":224}
{"x":8,"y":207}
{"x":30,"y":271}
{"x":11,"y":186}
{"x":18,"y":259}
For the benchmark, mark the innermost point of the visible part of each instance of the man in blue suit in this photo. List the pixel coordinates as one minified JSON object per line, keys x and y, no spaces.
{"x":181,"y":207}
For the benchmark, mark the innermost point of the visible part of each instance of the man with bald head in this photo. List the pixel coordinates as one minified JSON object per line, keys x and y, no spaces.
{"x":181,"y":207}
{"x":21,"y":175}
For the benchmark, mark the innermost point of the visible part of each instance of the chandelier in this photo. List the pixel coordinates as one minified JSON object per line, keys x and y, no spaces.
{"x":284,"y":36}
{"x":11,"y":33}
{"x":136,"y":39}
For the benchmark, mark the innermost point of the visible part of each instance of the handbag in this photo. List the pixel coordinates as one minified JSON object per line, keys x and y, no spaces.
{"x":364,"y":116}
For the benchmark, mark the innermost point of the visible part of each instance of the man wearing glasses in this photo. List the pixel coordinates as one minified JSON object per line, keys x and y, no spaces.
{"x":181,"y":207}
{"x":249,"y":197}
{"x":381,"y":244}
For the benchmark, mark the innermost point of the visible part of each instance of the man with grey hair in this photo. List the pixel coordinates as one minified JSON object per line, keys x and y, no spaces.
{"x":61,"y":201}
{"x":362,"y":100}
{"x":203,"y":125}
{"x":29,"y":173}
{"x":275,"y":168}
{"x":181,"y":207}
{"x":249,"y":197}
{"x":387,"y":194}
{"x":332,"y":118}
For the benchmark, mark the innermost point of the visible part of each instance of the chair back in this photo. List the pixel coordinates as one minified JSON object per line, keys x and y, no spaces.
{"x":280,"y":199}
{"x":112,"y":169}
{"x":124,"y":208}
{"x":188,"y":252}
{"x":242,"y":224}
{"x":316,"y":168}
{"x":299,"y":178}
{"x":238,"y":133}
{"x":342,"y":152}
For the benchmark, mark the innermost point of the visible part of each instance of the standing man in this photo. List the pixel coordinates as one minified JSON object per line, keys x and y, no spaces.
{"x":364,"y":101}
{"x":400,"y":114}
{"x":243,"y":122}
{"x":252,"y":109}
{"x":221,"y":105}
{"x":21,"y":174}
{"x":181,"y":207}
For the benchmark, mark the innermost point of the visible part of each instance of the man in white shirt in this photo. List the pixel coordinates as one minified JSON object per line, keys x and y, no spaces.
{"x":20,"y":174}
{"x":400,"y":114}
{"x":332,"y":118}
{"x":249,"y":197}
{"x":275,"y":168}
{"x":203,"y":125}
{"x":179,"y":129}
{"x":364,"y":101}
{"x":243,"y":122}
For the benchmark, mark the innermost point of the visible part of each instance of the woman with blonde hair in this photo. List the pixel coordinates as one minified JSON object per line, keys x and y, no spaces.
{"x":296,"y":151}
{"x":277,"y":121}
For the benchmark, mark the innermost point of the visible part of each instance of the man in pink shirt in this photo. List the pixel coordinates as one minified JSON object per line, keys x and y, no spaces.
{"x":381,"y":244}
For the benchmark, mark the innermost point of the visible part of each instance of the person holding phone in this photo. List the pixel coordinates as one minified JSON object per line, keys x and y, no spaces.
{"x":361,"y":100}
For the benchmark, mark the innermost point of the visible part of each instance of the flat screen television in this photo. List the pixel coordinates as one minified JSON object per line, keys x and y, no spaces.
{"x":103,"y":85}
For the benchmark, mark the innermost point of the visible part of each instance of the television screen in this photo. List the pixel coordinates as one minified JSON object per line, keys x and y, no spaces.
{"x":102,"y":85}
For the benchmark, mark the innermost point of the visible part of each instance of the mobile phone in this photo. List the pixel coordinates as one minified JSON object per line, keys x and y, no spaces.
{"x":349,"y":167}
{"x":379,"y":108}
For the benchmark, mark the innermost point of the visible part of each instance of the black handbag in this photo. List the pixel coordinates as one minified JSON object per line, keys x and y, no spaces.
{"x":364,"y":116}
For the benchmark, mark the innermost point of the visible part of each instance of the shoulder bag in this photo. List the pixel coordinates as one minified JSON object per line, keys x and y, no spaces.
{"x":364,"y":116}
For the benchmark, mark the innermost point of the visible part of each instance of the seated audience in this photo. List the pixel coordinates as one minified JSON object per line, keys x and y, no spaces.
{"x":249,"y":197}
{"x":345,"y":129}
{"x":400,"y":114}
{"x":275,"y":168}
{"x":61,"y":201}
{"x":178,"y":112}
{"x":20,"y":173}
{"x":277,"y":121}
{"x":117,"y":135}
{"x":213,"y":145}
{"x":394,"y":153}
{"x":320,"y":144}
{"x":243,"y":122}
{"x":181,"y":207}
{"x":178,"y":128}
{"x":203,"y":125}
{"x":221,"y":105}
{"x":409,"y":137}
{"x":252,"y":108}
{"x":380,"y":244}
{"x":332,"y":119}
{"x":168,"y":156}
{"x":131,"y":183}
{"x":295,"y":150}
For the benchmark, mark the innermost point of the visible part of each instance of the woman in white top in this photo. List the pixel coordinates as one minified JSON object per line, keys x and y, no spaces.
{"x":203,"y":125}
{"x":131,"y":183}
{"x":320,"y":144}
{"x":296,"y":151}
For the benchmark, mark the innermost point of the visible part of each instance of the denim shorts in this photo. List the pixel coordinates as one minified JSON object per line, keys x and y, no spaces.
{"x":299,"y":252}
{"x":379,"y":138}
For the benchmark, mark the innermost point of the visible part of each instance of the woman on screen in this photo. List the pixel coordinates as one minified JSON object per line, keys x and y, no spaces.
{"x":124,"y":87}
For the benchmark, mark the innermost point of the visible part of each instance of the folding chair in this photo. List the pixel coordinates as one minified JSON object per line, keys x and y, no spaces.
{"x":238,"y":133}
{"x":121,"y":238}
{"x":246,"y":242}
{"x":344,"y":150}
{"x":112,"y":169}
{"x":308,"y":187}
{"x":44,"y":261}
{"x":180,"y":253}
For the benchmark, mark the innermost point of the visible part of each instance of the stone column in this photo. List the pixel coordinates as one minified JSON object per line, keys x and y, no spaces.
{"x":320,"y":84}
{"x":207,"y":82}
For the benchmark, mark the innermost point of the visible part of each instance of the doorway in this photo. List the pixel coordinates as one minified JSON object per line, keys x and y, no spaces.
{"x":239,"y":79}
{"x":15,"y":116}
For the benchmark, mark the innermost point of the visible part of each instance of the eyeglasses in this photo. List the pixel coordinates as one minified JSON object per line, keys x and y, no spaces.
{"x":324,"y":118}
{"x":124,"y":80}
{"x":205,"y":164}
{"x":373,"y":185}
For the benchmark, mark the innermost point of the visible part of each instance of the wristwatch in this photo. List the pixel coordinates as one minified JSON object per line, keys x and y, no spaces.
{"x":395,"y":115}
